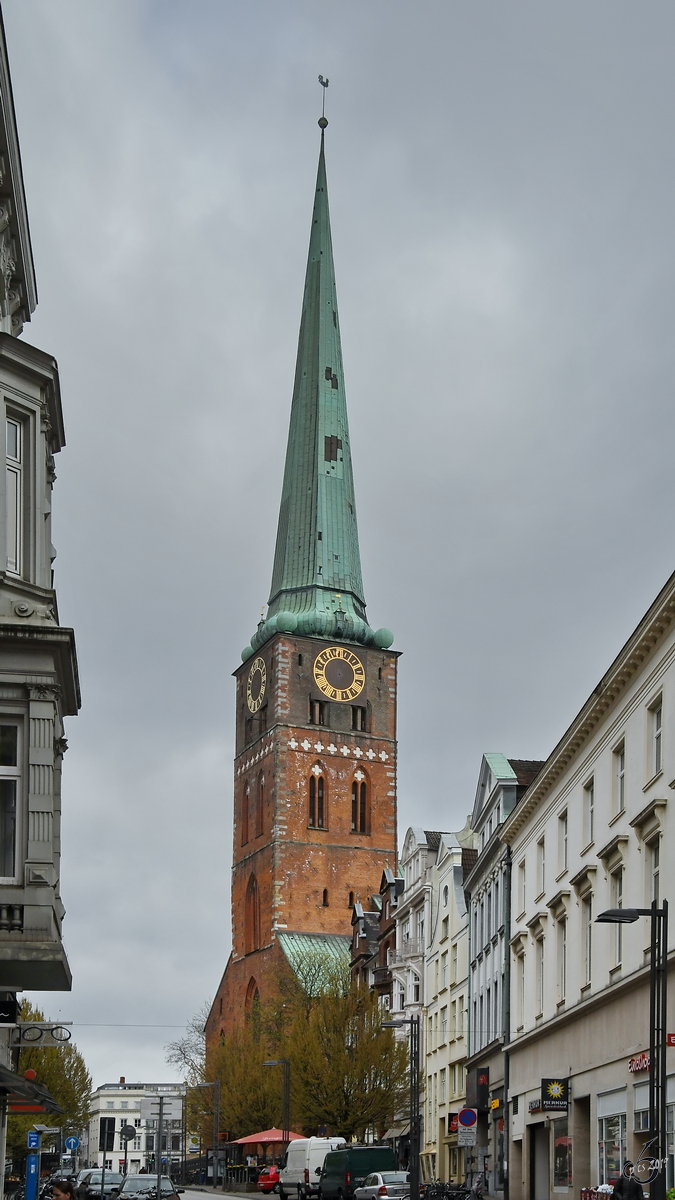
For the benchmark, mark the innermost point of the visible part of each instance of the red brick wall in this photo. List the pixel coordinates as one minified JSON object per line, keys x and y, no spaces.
{"x":292,"y":862}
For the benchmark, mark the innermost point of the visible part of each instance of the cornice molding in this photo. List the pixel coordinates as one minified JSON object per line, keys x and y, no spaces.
{"x":640,"y":645}
{"x":584,"y":879}
{"x":648,"y":820}
{"x":559,"y":903}
{"x":612,"y":854}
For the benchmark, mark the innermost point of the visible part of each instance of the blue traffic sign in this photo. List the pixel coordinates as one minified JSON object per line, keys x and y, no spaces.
{"x":468,"y":1117}
{"x":72,"y":1143}
{"x":33,"y":1139}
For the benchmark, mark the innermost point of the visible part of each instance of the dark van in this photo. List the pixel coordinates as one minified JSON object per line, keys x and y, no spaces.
{"x":344,"y":1170}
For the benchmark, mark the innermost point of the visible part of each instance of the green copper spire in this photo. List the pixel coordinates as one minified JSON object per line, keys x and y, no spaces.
{"x":317,"y":588}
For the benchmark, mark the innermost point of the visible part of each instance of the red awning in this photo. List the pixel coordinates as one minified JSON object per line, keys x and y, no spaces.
{"x":266,"y":1138}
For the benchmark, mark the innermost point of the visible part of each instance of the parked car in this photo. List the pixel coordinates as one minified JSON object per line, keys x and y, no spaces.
{"x":302,"y":1165}
{"x":383,"y":1183}
{"x":90,"y":1183}
{"x":345,"y":1170}
{"x":268,"y":1180}
{"x":134,"y":1187}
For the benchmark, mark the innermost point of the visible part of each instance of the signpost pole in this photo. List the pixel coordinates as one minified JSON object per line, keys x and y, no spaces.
{"x":159,"y":1144}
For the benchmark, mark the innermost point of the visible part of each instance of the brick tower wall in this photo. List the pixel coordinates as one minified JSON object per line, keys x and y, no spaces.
{"x":292,"y":863}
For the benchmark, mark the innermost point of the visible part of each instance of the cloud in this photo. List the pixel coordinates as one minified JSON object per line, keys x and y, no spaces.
{"x":500,"y":199}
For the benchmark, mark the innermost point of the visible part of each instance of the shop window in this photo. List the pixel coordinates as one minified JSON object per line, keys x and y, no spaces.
{"x":611,"y":1147}
{"x":562,"y":1154}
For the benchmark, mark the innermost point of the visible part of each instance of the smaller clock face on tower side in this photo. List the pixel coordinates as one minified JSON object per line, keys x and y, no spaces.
{"x":255,"y":685}
{"x":339,"y":673}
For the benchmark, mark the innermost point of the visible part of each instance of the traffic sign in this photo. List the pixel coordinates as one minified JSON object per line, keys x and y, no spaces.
{"x":33,"y":1139}
{"x":467,"y":1127}
{"x":468,"y":1117}
{"x":72,"y":1144}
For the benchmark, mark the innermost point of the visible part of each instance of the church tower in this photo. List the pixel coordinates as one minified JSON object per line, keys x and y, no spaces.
{"x":315,"y":758}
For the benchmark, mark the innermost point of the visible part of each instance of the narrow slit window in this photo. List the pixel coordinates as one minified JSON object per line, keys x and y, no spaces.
{"x":319,"y":803}
{"x":325,"y":898}
{"x":312,"y":801}
{"x":14,"y":496}
{"x":9,"y":795}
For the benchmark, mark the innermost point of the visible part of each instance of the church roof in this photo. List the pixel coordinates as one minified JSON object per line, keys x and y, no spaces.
{"x":317,"y":588}
{"x":307,"y":951}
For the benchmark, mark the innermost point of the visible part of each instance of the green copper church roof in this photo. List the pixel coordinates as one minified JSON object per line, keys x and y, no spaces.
{"x":317,"y":589}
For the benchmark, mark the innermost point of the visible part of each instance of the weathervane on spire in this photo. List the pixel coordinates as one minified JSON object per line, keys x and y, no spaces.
{"x":322,"y":120}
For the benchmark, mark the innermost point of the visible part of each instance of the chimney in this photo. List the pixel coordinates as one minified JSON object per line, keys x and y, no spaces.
{"x":122,"y":1079}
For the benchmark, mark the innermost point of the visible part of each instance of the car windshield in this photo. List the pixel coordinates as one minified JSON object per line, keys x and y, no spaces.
{"x":396,"y":1177}
{"x":135,"y":1185}
{"x":110,"y":1177}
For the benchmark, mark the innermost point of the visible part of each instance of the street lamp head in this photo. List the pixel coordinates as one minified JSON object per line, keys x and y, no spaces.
{"x":271,"y":1062}
{"x":393,"y":1024}
{"x":619,"y":916}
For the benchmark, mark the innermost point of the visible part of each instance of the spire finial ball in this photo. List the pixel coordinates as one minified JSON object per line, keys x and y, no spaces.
{"x":322,"y":122}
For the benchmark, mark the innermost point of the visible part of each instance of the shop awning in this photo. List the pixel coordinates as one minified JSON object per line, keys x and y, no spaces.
{"x":26,"y":1095}
{"x":396,"y":1131}
{"x":267,"y":1138}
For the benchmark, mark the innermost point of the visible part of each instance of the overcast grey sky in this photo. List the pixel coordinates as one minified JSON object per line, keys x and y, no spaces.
{"x":501,"y":180}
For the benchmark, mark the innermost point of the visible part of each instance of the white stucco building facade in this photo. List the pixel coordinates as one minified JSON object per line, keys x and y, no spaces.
{"x":446,"y":1010}
{"x":596,"y":830}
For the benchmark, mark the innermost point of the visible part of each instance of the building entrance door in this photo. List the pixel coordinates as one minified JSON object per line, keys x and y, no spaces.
{"x":539,"y":1168}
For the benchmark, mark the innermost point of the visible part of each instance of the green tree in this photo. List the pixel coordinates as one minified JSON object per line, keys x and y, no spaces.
{"x":250,"y":1092}
{"x":347,"y":1072}
{"x":63,"y":1071}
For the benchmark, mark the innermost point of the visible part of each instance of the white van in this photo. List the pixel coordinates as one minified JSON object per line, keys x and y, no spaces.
{"x":302,"y":1167}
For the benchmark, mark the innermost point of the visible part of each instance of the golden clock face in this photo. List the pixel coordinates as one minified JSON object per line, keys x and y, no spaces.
{"x":255,"y":685}
{"x":339,"y":673}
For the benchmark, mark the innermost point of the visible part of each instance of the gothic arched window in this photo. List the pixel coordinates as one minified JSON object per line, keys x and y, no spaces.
{"x":252,"y":937}
{"x":244,"y":816}
{"x":252,"y":996}
{"x":259,"y":805}
{"x":360,"y":805}
{"x":317,"y":800}
{"x":325,"y":898}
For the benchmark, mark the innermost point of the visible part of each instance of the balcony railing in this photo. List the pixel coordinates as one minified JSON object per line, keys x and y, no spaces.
{"x":409,"y":948}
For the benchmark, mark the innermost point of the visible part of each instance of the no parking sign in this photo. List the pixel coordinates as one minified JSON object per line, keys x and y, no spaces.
{"x":467,"y":1126}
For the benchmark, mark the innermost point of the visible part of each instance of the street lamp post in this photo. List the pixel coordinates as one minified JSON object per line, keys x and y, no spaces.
{"x":658,"y":1013}
{"x":414,"y":1164}
{"x":216,"y":1123}
{"x":285,"y":1094}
